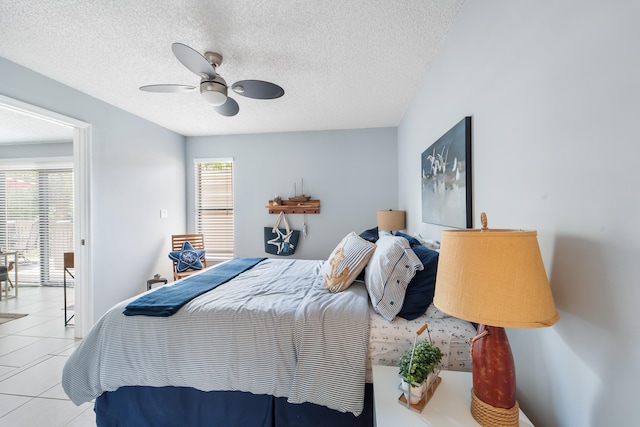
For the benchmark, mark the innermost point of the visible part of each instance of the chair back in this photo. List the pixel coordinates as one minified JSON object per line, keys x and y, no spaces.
{"x":196,"y":240}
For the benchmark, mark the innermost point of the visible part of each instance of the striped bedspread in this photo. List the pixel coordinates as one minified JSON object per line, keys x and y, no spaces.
{"x":273,"y":330}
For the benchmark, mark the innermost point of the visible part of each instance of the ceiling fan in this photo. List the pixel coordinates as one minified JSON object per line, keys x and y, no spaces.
{"x":213,"y":87}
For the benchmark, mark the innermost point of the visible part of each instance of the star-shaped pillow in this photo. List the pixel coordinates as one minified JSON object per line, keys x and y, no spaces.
{"x":187,"y":258}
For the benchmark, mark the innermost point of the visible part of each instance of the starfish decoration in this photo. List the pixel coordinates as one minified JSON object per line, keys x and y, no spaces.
{"x":187,"y":258}
{"x":282,"y":241}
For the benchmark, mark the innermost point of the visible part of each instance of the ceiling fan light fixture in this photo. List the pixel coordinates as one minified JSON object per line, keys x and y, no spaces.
{"x":214,"y":91}
{"x":213,"y":87}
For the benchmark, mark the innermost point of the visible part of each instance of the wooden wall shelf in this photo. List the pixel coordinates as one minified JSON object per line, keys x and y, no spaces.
{"x":291,"y":207}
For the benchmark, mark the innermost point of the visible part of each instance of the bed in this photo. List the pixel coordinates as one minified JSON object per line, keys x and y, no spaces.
{"x":271,"y":346}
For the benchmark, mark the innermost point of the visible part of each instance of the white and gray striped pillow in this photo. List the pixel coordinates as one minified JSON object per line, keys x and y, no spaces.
{"x":346,"y":261}
{"x":388,"y":273}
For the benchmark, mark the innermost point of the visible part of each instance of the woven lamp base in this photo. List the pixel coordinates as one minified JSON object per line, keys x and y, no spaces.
{"x":489,"y":416}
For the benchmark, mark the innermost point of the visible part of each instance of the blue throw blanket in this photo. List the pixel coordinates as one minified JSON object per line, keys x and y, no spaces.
{"x":169,"y":299}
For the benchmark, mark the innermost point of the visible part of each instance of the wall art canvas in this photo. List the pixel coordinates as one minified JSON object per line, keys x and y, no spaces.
{"x":446,"y":178}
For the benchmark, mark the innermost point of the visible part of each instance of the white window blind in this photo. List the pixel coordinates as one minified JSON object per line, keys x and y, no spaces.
{"x":36,"y":220}
{"x":214,"y":207}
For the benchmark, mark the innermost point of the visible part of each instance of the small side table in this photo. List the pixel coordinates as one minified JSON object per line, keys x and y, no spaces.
{"x":68,"y":262}
{"x":449,"y":406}
{"x":151,"y":282}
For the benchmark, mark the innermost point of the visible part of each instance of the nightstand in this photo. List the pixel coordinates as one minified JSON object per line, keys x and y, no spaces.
{"x":151,"y":282}
{"x":449,"y":406}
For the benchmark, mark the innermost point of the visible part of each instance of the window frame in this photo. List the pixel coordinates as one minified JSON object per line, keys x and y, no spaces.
{"x":217,"y":249}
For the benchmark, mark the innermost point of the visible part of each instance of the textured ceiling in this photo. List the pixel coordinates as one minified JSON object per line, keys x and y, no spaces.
{"x":16,"y":127}
{"x":343,"y":64}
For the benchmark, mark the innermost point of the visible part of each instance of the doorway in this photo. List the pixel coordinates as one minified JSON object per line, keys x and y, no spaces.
{"x":83,"y":290}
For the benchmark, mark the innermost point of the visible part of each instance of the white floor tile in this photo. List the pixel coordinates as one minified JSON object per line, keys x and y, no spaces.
{"x":86,"y":419}
{"x":44,"y":412}
{"x":6,"y":370}
{"x":49,"y":329}
{"x":70,"y":350}
{"x":36,"y":379}
{"x":33,"y":350}
{"x":10,"y":402}
{"x":36,"y":308}
{"x":22,"y":324}
{"x":55,"y":392}
{"x":55,"y":311}
{"x":11,"y":343}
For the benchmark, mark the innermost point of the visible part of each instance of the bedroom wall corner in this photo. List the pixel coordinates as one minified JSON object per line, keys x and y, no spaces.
{"x":352,"y":172}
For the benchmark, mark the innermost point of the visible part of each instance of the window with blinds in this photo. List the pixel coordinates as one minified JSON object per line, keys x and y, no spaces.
{"x":36,"y":221}
{"x":214,"y":207}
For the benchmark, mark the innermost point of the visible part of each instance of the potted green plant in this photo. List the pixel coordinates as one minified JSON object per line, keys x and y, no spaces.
{"x":416,"y":367}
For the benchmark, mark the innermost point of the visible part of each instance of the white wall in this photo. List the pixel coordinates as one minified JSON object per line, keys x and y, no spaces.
{"x":553,"y":88}
{"x":352,"y":172}
{"x":137,"y":169}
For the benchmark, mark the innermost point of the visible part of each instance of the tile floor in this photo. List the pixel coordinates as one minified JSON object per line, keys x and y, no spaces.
{"x":33,"y":350}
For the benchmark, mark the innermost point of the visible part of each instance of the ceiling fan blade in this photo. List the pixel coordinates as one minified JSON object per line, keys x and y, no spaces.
{"x":229,"y":108}
{"x":257,"y":89}
{"x":193,"y":60}
{"x":167,"y":88}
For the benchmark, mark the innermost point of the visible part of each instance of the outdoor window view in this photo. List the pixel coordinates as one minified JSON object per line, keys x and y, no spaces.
{"x":36,"y":222}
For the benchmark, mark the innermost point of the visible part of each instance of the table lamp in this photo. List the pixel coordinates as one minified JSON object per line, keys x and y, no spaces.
{"x":391,"y":220}
{"x":495,"y":278}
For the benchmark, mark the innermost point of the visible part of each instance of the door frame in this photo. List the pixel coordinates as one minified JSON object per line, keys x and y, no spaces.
{"x":83,"y":288}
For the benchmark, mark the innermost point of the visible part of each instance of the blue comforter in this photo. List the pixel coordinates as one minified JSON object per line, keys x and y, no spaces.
{"x":167,"y":300}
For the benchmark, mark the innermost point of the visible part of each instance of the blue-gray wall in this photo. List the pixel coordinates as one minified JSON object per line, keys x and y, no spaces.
{"x":44,"y":150}
{"x":553,"y":89}
{"x":137,"y":168}
{"x":352,"y":172}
